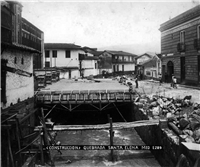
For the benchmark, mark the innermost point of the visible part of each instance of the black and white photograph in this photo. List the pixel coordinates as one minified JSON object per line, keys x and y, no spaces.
{"x":103,"y":83}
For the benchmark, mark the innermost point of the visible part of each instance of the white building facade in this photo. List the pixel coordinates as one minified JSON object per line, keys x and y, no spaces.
{"x":67,"y":58}
{"x":18,"y":87}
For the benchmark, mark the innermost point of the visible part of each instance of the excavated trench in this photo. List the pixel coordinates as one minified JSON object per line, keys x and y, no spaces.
{"x":87,"y":114}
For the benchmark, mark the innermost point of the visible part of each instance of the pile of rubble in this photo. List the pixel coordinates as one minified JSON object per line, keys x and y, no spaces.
{"x":183,"y":116}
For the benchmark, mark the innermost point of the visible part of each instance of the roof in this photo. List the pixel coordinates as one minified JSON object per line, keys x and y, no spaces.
{"x":92,"y":51}
{"x":19,"y":47}
{"x":97,"y":53}
{"x":24,"y":20}
{"x":182,"y":18}
{"x":152,"y":59}
{"x":88,"y":48}
{"x":120,"y":53}
{"x":62,"y":46}
{"x":149,"y":54}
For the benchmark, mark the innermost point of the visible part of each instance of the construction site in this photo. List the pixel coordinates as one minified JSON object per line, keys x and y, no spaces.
{"x":98,"y":122}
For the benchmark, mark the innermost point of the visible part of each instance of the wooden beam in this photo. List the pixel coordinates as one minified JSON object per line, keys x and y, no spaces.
{"x":111,"y":137}
{"x":50,"y":111}
{"x":119,"y":112}
{"x":5,"y":127}
{"x":10,"y":149}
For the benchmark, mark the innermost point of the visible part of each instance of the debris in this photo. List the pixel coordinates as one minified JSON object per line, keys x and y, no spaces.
{"x":183,"y":117}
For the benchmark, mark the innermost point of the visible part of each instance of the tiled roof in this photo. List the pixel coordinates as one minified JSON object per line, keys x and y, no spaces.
{"x":149,"y":54}
{"x":182,"y":18}
{"x":61,"y":46}
{"x":152,"y":59}
{"x":120,"y":53}
{"x":92,"y":51}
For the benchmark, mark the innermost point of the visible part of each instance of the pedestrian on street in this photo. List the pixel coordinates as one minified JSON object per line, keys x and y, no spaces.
{"x":136,"y":80}
{"x":172,"y":81}
{"x":175,"y":82}
{"x":160,"y":78}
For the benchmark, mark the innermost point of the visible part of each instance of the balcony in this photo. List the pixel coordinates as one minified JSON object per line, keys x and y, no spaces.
{"x":122,"y":61}
{"x":181,"y":47}
{"x":197,"y":44}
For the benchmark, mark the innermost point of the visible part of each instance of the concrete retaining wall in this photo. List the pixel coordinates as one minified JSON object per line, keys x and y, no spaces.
{"x":154,"y":135}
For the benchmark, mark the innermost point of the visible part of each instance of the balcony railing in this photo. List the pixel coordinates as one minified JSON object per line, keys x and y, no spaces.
{"x":181,"y":47}
{"x":197,"y":44}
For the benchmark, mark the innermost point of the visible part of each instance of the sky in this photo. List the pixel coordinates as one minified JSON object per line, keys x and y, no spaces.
{"x":131,"y":26}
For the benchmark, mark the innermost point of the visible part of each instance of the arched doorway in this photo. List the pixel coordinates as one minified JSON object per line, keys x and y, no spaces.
{"x":170,"y":70}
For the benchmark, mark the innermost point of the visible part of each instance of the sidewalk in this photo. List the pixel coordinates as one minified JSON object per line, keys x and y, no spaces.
{"x":179,"y":85}
{"x":150,"y":87}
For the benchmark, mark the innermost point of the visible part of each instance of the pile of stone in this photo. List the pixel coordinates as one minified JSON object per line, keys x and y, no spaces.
{"x":183,"y":116}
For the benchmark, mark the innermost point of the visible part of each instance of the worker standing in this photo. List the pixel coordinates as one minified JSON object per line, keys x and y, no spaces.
{"x":136,"y":80}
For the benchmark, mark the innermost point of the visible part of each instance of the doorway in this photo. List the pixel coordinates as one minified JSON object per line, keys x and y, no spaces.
{"x":182,"y":69}
{"x":170,"y":70}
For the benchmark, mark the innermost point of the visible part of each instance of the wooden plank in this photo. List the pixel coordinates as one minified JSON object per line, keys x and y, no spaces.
{"x":105,"y":126}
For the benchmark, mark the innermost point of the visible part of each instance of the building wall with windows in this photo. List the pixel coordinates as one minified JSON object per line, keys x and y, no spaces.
{"x":18,"y":87}
{"x":180,"y":47}
{"x":122,"y":62}
{"x":34,"y":38}
{"x":59,"y":58}
{"x":67,"y":56}
{"x":16,"y":57}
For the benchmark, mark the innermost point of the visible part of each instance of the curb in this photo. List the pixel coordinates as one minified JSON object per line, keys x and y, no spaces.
{"x":187,"y":86}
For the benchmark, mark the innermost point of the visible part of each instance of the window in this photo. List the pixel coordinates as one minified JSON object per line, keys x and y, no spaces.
{"x":198,"y":31}
{"x":114,"y":68}
{"x":122,"y":67}
{"x":15,"y":60}
{"x":95,"y":65}
{"x":46,"y":53}
{"x":125,"y":58}
{"x":67,"y":54}
{"x":55,"y":53}
{"x":182,"y":36}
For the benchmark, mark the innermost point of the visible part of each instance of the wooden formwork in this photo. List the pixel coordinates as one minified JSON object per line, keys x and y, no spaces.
{"x":85,"y":96}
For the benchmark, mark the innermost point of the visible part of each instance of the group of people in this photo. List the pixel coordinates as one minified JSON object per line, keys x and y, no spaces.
{"x":126,"y":81}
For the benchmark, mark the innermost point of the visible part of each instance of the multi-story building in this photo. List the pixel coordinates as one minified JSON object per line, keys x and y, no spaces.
{"x":34,"y":38}
{"x":180,"y":47}
{"x":16,"y":55}
{"x":122,"y":62}
{"x":117,"y":62}
{"x":17,"y":30}
{"x":71,"y":59}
